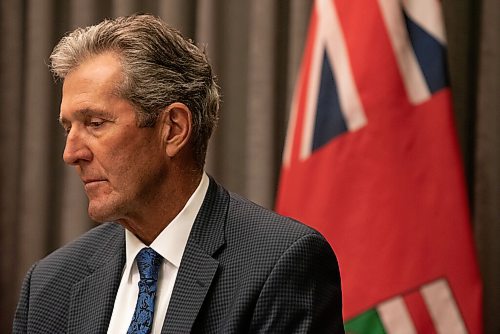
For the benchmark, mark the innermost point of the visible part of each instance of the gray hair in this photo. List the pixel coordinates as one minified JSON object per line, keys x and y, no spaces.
{"x":160,"y":67}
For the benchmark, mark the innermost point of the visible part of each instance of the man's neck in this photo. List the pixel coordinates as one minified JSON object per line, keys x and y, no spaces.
{"x":161,"y":210}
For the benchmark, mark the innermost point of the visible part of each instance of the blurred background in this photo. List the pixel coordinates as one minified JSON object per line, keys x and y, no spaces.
{"x":255,"y":47}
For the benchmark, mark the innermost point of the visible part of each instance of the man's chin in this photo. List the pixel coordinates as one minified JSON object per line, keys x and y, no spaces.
{"x":99,"y":218}
{"x":101,"y":214}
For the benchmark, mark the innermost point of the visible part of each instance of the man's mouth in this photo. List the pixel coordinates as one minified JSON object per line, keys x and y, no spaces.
{"x":90,"y":183}
{"x":90,"y":180}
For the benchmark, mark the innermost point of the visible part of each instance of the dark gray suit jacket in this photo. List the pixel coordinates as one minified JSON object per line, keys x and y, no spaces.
{"x":244,"y":270}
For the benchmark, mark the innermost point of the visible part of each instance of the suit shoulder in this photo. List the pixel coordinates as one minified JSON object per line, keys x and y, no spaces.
{"x":81,"y":249}
{"x":246,"y":215}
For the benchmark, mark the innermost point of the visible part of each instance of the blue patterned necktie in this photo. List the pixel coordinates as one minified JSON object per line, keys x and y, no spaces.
{"x":148,"y":262}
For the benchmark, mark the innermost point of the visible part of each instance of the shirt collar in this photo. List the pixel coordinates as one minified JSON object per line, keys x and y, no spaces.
{"x":171,"y":242}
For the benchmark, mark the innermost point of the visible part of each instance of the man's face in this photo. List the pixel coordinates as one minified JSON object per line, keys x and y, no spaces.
{"x":121,"y":165}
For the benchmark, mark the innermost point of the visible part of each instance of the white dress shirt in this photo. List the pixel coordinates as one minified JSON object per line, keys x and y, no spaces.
{"x":170,"y":244}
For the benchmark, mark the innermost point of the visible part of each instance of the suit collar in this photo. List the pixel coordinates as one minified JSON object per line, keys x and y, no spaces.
{"x":92,"y":299}
{"x":198,"y":267}
{"x":210,"y":223}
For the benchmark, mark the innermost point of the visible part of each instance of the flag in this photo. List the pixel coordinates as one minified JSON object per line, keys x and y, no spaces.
{"x":371,"y":160}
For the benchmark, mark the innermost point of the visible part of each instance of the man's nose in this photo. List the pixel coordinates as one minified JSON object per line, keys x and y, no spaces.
{"x":76,"y":150}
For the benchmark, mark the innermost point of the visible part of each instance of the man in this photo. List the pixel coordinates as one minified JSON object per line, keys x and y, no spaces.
{"x":176,"y":253}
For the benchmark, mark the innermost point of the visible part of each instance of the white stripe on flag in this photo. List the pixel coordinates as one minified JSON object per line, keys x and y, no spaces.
{"x":442,"y":308}
{"x":395,"y":316}
{"x":411,"y":73}
{"x":428,"y":15}
{"x":349,"y":100}
{"x":312,"y":92}
{"x":329,"y":37}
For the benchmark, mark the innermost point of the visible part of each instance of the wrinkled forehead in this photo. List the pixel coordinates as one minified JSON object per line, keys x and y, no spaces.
{"x":91,"y":85}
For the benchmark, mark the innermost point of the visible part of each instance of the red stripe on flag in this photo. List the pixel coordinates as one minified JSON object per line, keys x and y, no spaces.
{"x":373,"y":61}
{"x":422,"y":320}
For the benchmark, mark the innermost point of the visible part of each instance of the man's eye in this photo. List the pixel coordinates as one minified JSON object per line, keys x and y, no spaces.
{"x":95,"y":122}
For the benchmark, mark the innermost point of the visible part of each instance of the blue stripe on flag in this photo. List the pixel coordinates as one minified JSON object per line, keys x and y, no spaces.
{"x":431,"y":55}
{"x":329,"y":119}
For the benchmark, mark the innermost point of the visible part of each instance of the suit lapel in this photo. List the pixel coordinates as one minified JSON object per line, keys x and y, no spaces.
{"x":198,"y":267}
{"x":92,"y":299}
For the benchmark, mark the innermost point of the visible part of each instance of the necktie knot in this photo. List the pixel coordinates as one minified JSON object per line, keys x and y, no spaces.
{"x":148,"y":263}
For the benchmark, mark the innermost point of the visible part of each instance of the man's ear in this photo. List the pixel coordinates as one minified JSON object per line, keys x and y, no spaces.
{"x":176,"y":128}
